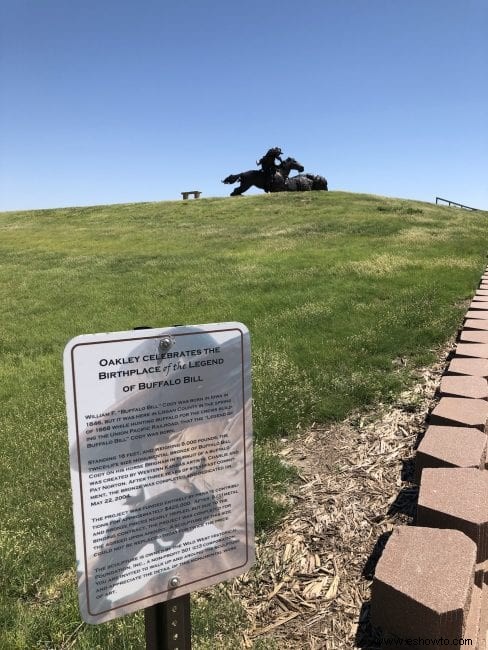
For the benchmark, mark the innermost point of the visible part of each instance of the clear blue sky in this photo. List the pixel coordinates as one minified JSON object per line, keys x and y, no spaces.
{"x":113,"y":101}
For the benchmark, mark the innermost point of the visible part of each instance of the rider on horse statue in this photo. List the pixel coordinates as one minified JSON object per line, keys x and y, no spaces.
{"x":268,"y":165}
{"x":276,"y":178}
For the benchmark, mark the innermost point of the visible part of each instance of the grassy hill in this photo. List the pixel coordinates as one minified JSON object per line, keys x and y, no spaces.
{"x":345,"y":295}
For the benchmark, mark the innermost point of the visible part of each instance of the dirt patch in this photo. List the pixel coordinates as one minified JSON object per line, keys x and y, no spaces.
{"x":310,"y":587}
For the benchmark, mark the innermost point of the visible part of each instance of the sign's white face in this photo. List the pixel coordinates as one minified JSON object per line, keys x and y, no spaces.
{"x":159,"y":424}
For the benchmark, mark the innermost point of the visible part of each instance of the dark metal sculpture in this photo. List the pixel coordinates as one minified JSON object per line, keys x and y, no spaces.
{"x":275,"y":178}
{"x":261,"y":180}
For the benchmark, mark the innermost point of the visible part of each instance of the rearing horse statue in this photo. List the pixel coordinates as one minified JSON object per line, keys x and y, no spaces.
{"x":282,"y":181}
{"x":257,"y":178}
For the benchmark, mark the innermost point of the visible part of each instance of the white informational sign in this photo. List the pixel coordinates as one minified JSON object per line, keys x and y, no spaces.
{"x":160,"y":437}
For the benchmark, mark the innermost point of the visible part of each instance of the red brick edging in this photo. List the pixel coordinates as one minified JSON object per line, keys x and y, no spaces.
{"x":432,"y":578}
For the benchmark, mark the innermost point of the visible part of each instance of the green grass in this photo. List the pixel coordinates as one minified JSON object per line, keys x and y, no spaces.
{"x":334,"y":287}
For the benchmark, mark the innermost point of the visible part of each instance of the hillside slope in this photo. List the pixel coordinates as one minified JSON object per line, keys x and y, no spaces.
{"x":325,"y":282}
{"x":345,"y":296}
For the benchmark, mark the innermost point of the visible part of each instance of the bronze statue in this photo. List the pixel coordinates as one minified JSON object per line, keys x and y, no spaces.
{"x":258,"y":178}
{"x":275,"y":178}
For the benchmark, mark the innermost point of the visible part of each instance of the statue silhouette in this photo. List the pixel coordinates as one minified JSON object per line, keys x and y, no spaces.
{"x":276,"y":178}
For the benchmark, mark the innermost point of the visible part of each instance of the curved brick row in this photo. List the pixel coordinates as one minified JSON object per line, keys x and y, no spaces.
{"x":432,"y":578}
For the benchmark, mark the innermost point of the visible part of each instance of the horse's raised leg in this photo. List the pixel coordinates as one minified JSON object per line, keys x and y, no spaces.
{"x":241,"y":189}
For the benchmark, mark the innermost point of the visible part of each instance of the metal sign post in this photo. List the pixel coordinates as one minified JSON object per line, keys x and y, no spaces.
{"x":168,"y":625}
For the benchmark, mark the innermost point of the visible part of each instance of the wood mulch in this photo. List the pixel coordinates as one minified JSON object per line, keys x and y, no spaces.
{"x":310,"y":586}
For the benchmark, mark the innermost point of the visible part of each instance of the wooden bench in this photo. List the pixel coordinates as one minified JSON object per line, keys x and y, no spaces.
{"x":195,"y":193}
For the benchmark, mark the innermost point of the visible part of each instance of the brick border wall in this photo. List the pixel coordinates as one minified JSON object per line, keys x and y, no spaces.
{"x":431,"y":581}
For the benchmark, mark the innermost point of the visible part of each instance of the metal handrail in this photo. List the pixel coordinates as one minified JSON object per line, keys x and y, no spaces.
{"x":459,"y":205}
